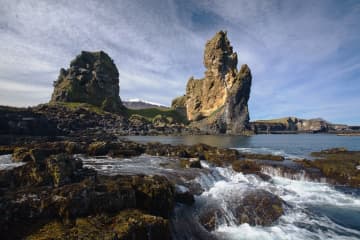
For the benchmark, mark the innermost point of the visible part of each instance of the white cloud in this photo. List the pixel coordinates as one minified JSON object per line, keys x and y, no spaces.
{"x":299,"y":51}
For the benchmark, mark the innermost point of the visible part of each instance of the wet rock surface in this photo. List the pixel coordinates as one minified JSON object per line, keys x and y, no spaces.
{"x":21,"y":121}
{"x":53,"y":190}
{"x":259,"y":207}
{"x":338,"y":165}
{"x":127,"y":225}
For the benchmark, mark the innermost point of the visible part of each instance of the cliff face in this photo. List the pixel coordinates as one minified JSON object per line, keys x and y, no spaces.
{"x":217,"y":103}
{"x":92,"y":78}
{"x":293,"y":124}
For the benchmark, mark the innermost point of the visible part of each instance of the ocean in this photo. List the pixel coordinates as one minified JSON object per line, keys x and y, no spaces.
{"x":315,"y":210}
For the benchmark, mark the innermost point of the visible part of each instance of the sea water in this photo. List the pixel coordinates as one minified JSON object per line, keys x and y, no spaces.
{"x":315,"y":210}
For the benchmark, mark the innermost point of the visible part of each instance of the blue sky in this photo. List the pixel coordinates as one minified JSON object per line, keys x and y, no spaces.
{"x":304,"y":55}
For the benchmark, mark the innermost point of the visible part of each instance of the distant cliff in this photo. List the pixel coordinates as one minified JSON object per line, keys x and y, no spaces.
{"x":91,"y":78}
{"x":217,"y":103}
{"x":294,"y":125}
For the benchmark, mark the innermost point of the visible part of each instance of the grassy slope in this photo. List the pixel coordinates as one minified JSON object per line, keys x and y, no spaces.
{"x":76,"y":105}
{"x":150,"y":113}
{"x":278,"y":120}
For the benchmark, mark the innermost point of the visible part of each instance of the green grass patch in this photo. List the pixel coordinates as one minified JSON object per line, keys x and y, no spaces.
{"x":76,"y":105}
{"x":151,"y":113}
{"x":278,"y":120}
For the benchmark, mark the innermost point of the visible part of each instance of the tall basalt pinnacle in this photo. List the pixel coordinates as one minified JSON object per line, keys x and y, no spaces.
{"x":91,"y":78}
{"x":217,"y":103}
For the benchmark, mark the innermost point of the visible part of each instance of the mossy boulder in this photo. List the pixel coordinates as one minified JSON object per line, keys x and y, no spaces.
{"x":259,"y":207}
{"x":126,"y":225}
{"x":190,"y":163}
{"x":214,"y":155}
{"x":154,"y":194}
{"x":21,"y":154}
{"x":62,"y":169}
{"x":246,"y":166}
{"x":54,"y":170}
{"x":338,"y":165}
{"x":160,"y":120}
{"x":40,"y":151}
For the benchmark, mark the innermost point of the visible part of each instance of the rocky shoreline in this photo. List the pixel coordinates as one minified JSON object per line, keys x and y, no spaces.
{"x":53,"y":194}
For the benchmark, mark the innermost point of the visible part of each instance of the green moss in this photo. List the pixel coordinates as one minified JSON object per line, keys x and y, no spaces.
{"x":338,"y":164}
{"x":151,"y":113}
{"x":246,"y":166}
{"x":278,"y":120}
{"x":77,"y":105}
{"x":128,"y":224}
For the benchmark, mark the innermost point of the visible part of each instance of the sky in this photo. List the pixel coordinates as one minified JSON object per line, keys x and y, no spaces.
{"x":304,"y":55}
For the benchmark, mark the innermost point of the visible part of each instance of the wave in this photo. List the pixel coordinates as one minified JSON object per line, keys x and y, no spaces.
{"x":265,"y":150}
{"x":300,"y":220}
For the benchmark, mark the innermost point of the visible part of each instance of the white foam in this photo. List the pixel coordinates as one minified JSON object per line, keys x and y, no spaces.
{"x":264,"y":150}
{"x":314,"y":193}
{"x":6,"y":162}
{"x":226,"y":187}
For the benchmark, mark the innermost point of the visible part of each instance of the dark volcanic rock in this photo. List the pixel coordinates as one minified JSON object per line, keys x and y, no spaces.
{"x":338,"y":165}
{"x":218,"y":102}
{"x":246,"y":166}
{"x":21,"y":121}
{"x":209,"y":217}
{"x":259,"y":207}
{"x":92,"y":78}
{"x":83,"y":119}
{"x":53,"y":187}
{"x":214,"y":155}
{"x":126,"y":225}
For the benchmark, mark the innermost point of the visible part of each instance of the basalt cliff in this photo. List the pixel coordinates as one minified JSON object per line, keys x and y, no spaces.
{"x":217,"y":103}
{"x":91,"y":78}
{"x":298,"y":125}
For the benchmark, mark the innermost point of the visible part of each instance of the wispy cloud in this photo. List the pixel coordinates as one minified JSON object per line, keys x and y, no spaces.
{"x":304,"y":55}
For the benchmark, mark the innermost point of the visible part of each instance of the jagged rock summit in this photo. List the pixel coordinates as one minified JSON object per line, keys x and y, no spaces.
{"x":92,"y":78}
{"x":217,"y":103}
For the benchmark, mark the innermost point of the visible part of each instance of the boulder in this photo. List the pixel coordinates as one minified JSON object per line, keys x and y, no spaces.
{"x":63,"y":190}
{"x":190,"y":163}
{"x":126,"y":225}
{"x":259,"y":207}
{"x":209,"y":217}
{"x":246,"y":166}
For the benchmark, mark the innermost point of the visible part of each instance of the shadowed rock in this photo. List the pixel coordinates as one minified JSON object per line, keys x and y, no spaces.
{"x":92,"y":78}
